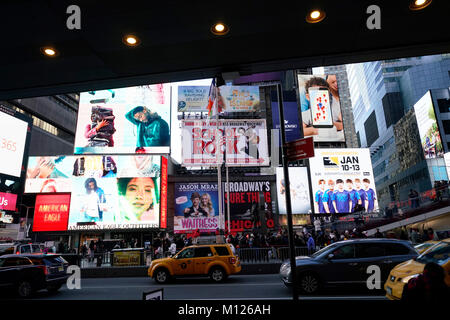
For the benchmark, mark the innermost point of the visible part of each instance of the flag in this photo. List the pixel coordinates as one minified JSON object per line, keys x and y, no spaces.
{"x":212,"y":105}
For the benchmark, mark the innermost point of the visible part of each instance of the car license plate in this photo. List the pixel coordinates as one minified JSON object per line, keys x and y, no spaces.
{"x":389,"y":290}
{"x":60,"y":269}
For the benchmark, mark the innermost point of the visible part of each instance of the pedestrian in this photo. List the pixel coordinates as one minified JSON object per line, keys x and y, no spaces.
{"x":378,"y":234}
{"x":173,"y":248}
{"x":311,"y":244}
{"x":91,"y":251}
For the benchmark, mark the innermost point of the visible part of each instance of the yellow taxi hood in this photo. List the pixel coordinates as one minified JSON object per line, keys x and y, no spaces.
{"x":407,"y":268}
{"x":162,"y":260}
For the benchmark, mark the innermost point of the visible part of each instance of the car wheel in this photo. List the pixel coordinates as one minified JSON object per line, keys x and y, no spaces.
{"x":161,"y":275}
{"x":53,"y":288}
{"x":309,"y":283}
{"x":24,"y":289}
{"x":217,"y":274}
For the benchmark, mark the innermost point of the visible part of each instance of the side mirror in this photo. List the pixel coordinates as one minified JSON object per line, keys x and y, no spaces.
{"x":330,"y":256}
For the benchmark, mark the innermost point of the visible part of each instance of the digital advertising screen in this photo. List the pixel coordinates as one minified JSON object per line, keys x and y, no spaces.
{"x":107,"y":192}
{"x":8,"y":201}
{"x":193,"y":98}
{"x":342,"y":181}
{"x":291,"y":121}
{"x":321,"y":108}
{"x":15,"y":134}
{"x":239,"y":98}
{"x":244,"y":142}
{"x":196,"y":207}
{"x":300,"y":199}
{"x":51,"y":212}
{"x":428,"y":127}
{"x":124,"y":120}
{"x":251,"y":205}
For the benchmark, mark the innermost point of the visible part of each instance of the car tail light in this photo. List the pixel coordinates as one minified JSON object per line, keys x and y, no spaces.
{"x":232,"y":260}
{"x":17,"y":252}
{"x":45,"y":268}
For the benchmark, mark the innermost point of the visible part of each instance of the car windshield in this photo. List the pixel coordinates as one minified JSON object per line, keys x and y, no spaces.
{"x":36,"y":248}
{"x":439,"y":254}
{"x":324,"y":250}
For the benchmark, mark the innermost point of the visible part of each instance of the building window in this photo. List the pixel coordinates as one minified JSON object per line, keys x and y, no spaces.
{"x":446,"y":125}
{"x":444,"y":105}
{"x":371,"y":128}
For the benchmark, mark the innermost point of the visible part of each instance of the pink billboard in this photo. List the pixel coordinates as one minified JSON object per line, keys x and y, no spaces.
{"x":8,"y":201}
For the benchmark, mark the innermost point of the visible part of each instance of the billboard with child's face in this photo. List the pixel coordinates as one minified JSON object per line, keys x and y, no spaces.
{"x":343,"y":181}
{"x":321,"y":108}
{"x":124,"y":120}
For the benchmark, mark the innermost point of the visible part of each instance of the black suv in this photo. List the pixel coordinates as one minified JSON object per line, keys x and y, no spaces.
{"x":30,"y":273}
{"x":346,"y":263}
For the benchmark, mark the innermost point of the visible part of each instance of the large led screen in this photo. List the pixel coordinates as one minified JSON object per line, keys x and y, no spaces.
{"x":13,"y":134}
{"x":428,"y":127}
{"x":244,"y":142}
{"x":125,"y":120}
{"x":51,"y":212}
{"x":317,"y":108}
{"x":299,"y":186}
{"x":342,"y":181}
{"x":107,"y":192}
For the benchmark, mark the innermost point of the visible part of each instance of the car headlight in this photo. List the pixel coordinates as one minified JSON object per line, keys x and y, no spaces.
{"x":285,"y":269}
{"x":406,"y":279}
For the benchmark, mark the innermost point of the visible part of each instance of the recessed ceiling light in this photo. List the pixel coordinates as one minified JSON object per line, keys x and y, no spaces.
{"x":131,"y":40}
{"x":419,"y":4}
{"x":220,"y":29}
{"x":315,"y":16}
{"x":49,"y":51}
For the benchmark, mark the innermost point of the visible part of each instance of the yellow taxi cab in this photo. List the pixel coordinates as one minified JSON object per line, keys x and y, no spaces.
{"x":421,"y":248}
{"x":214,"y":260}
{"x":402,"y":273}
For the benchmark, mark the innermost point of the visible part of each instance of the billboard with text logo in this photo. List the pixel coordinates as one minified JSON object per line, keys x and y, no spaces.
{"x":243,"y":141}
{"x":342,"y":181}
{"x":196,"y":207}
{"x":51,"y":212}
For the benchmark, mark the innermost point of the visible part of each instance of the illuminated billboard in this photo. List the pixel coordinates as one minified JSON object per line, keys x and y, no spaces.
{"x":321,"y":109}
{"x":51,"y":212}
{"x":300,"y":199}
{"x":342,"y":181}
{"x":196,"y":207}
{"x":244,"y":142}
{"x":15,"y":133}
{"x":124,"y":120}
{"x":428,"y":127}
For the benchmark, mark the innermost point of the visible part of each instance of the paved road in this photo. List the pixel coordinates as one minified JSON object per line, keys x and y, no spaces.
{"x":261,"y":287}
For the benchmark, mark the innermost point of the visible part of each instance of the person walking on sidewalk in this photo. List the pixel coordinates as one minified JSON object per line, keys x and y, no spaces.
{"x":311,"y":244}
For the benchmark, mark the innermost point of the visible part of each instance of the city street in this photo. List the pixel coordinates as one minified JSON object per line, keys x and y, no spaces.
{"x":239,"y":287}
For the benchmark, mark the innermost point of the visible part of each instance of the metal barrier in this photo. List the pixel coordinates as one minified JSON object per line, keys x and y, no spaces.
{"x":268,"y":255}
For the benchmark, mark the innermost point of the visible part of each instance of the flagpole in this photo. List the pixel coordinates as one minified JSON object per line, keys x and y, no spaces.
{"x":228,"y":201}
{"x":219,"y":162}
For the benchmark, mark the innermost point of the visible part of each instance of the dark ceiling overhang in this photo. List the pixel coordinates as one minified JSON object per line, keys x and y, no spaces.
{"x":177,"y":43}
